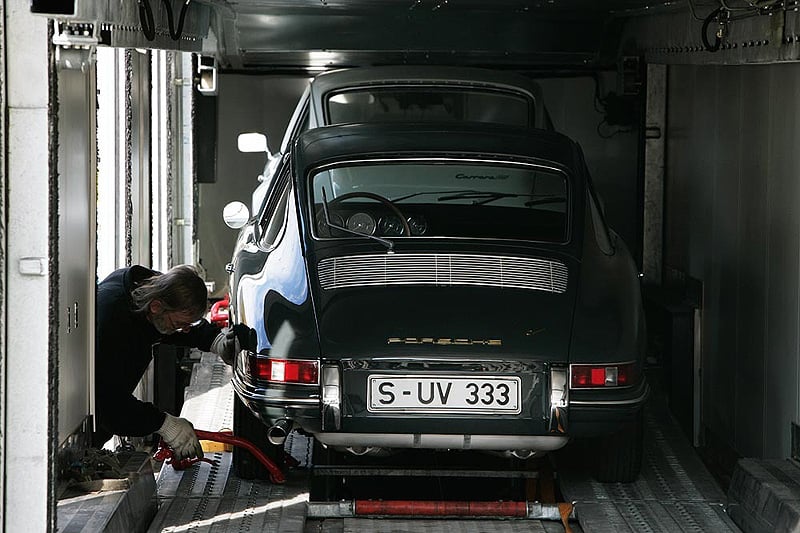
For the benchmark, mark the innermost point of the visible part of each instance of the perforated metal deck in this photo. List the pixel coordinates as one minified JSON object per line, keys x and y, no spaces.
{"x":206,"y":498}
{"x":675,"y":492}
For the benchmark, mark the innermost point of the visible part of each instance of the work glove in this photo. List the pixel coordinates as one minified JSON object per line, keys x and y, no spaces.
{"x":226,"y":344}
{"x":179,"y":435}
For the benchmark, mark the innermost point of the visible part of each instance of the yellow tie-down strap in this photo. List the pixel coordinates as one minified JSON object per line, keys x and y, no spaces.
{"x":212,"y":446}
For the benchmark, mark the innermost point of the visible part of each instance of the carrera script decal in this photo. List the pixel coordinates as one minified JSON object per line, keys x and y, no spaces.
{"x":444,"y":341}
{"x":481,"y":176}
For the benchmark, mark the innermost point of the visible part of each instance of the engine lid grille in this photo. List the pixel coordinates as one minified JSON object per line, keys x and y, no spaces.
{"x":443,"y":270}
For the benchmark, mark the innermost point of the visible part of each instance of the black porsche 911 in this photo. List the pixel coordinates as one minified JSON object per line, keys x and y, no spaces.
{"x":438,"y":286}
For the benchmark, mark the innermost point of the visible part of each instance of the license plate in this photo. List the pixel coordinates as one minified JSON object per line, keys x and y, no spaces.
{"x":440,"y":394}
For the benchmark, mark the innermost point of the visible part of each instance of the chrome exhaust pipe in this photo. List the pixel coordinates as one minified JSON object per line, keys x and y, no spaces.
{"x":277,"y":433}
{"x":372,"y":451}
{"x":523,"y":454}
{"x":518,"y":454}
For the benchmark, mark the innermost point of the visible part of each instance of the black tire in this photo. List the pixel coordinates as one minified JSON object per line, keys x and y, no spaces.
{"x":247,"y":426}
{"x":619,"y":455}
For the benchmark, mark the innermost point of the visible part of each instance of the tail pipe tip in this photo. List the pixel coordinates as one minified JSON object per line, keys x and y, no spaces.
{"x":277,"y":433}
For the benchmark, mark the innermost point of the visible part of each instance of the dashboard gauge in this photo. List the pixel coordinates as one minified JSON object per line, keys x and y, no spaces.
{"x":362,"y":223}
{"x":323,"y":230}
{"x":418,"y":225}
{"x":390,"y":226}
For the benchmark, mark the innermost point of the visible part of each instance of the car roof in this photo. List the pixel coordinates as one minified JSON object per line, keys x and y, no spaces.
{"x":349,"y":141}
{"x":427,"y":75}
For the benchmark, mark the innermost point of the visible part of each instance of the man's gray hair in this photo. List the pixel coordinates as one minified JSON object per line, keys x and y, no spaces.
{"x":179,"y":289}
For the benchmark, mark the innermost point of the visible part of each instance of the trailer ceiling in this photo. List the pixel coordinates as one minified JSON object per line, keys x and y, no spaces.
{"x":265,"y":35}
{"x":259,"y":34}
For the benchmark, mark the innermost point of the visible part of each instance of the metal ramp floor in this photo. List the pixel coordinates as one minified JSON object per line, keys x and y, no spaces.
{"x":209,"y":498}
{"x":675,"y":492}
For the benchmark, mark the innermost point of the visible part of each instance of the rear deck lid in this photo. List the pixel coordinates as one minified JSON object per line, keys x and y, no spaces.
{"x":445,"y":305}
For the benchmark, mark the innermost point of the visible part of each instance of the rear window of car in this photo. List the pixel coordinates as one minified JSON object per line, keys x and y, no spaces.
{"x":442,"y":198}
{"x":429,"y":104}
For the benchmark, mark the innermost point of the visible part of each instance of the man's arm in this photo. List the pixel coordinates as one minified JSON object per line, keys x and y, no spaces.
{"x":124,"y":414}
{"x":225,"y":342}
{"x":200,"y":336}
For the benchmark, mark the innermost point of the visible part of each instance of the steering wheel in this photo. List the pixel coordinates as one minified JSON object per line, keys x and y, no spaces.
{"x":385,"y":201}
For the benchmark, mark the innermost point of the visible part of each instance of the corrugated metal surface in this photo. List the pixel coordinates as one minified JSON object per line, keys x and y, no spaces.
{"x":111,"y":505}
{"x":732,"y":222}
{"x":209,"y":497}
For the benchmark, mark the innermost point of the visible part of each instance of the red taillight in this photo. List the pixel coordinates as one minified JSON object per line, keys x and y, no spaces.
{"x":285,"y":370}
{"x":613,"y":375}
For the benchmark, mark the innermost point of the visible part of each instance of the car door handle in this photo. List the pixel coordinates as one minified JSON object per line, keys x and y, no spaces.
{"x":229,"y":268}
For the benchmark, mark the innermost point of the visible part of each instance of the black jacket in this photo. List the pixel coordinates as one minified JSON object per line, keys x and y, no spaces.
{"x":123,"y":350}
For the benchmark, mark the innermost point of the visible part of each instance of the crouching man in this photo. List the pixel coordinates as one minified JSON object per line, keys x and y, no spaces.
{"x":137,"y":308}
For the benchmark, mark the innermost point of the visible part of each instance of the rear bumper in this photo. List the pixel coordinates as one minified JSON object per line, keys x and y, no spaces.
{"x":540,"y":443}
{"x":593,"y":413}
{"x":298,"y":403}
{"x":586,"y":413}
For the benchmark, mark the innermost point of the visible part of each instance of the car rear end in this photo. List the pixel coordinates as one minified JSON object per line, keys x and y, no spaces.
{"x":462,"y":292}
{"x":451,"y":331}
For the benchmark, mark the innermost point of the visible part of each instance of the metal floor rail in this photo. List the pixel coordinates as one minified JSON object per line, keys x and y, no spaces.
{"x":675,"y":492}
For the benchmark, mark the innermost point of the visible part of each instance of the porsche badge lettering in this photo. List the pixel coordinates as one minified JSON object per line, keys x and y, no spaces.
{"x":444,"y":341}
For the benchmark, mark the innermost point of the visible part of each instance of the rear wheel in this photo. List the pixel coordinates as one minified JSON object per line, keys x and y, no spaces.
{"x":247,"y":426}
{"x":619,"y":455}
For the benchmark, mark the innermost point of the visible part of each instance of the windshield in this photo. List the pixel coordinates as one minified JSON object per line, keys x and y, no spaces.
{"x":440,"y":198}
{"x":424,"y":104}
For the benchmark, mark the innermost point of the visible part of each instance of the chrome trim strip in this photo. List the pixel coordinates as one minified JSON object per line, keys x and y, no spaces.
{"x":331,"y":397}
{"x":531,"y":273}
{"x":442,"y":441}
{"x":559,"y":400}
{"x":300,"y":403}
{"x":593,"y":403}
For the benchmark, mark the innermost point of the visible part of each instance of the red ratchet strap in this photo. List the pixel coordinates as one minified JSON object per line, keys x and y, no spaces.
{"x":165,"y":453}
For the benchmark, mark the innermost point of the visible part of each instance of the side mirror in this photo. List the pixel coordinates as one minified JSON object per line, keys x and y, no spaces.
{"x":235,"y":215}
{"x":253,"y":142}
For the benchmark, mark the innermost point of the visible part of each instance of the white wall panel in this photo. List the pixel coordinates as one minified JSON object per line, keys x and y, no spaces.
{"x":28,"y":501}
{"x":77,"y":235}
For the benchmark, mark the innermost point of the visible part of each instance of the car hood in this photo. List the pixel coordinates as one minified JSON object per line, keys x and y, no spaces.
{"x":450,"y":321}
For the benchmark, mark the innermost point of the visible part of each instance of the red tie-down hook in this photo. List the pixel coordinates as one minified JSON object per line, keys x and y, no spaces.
{"x":165,"y":453}
{"x":220,"y":312}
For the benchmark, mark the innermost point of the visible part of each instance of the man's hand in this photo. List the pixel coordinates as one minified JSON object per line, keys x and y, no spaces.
{"x":179,"y":435}
{"x":226,"y":344}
